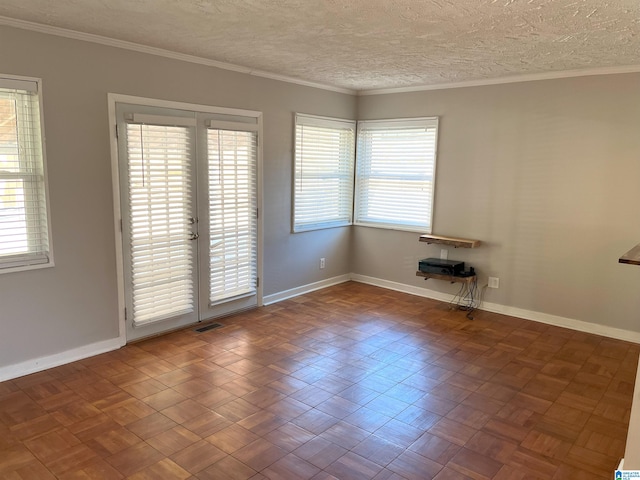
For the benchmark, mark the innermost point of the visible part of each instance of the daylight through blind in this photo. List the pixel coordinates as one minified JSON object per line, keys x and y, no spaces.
{"x":323,"y":176}
{"x":395,"y":173}
{"x":160,"y":187}
{"x":24,"y":230}
{"x":232,"y":213}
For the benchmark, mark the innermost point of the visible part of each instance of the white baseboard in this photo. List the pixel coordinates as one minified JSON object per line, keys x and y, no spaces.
{"x":546,"y":318}
{"x":42,"y":363}
{"x":294,"y":292}
{"x":402,"y":287}
{"x":571,"y":323}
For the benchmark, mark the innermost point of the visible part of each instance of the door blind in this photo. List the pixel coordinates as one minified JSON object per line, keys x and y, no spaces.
{"x":395,"y":173}
{"x":323,"y":173}
{"x":232,"y":171}
{"x":160,"y":192}
{"x":24,"y":232}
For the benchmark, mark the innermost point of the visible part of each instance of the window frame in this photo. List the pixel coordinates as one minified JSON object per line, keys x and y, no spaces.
{"x":345,"y":214}
{"x":389,"y":125}
{"x":225,"y":130}
{"x":31,"y":260}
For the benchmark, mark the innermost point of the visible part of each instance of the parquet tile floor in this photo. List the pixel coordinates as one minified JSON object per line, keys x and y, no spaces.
{"x":349,"y":382}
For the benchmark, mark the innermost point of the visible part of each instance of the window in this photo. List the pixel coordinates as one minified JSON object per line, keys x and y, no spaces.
{"x":160,"y":198}
{"x":323,"y":176}
{"x":24,"y":226}
{"x":232,"y":212}
{"x":395,"y":173}
{"x":188,"y":199}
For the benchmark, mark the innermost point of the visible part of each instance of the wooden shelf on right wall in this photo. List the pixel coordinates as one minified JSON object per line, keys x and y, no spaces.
{"x":632,"y":257}
{"x":451,"y":241}
{"x":449,"y":278}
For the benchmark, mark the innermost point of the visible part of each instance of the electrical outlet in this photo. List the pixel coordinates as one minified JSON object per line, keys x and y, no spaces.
{"x":494,"y":282}
{"x":321,"y":263}
{"x":444,"y":254}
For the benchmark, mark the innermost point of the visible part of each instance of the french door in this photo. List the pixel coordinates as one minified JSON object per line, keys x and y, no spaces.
{"x":189,"y":207}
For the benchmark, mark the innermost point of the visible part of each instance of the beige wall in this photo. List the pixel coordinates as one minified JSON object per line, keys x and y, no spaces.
{"x":544,"y":173}
{"x":43,"y":312}
{"x":547,"y":175}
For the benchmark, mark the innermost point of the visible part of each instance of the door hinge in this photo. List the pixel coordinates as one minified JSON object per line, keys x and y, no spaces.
{"x":117,"y":133}
{"x":257,"y":213}
{"x":258,"y":282}
{"x":120,"y":224}
{"x":125,"y":314}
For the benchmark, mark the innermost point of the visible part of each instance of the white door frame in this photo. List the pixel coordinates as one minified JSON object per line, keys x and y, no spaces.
{"x":112,"y":99}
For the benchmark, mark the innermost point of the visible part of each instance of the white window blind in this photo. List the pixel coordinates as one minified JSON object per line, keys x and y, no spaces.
{"x":160,"y":192}
{"x":232,"y":171}
{"x":323,"y":173}
{"x":396,"y":161}
{"x":24,"y":225}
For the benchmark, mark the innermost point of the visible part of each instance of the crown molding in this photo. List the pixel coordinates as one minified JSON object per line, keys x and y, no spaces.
{"x":136,"y":47}
{"x":533,"y":77}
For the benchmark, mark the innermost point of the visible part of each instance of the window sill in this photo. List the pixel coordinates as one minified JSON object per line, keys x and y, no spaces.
{"x":25,"y":268}
{"x":398,"y":228}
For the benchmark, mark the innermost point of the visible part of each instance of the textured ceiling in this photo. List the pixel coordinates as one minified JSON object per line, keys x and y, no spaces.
{"x":366,"y":44}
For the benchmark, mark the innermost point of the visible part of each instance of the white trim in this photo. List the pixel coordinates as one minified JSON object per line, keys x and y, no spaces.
{"x":407,"y":122}
{"x":26,"y":267}
{"x":565,"y":322}
{"x":397,"y":228}
{"x":163,"y":120}
{"x":306,"y":119}
{"x":196,"y":107}
{"x":136,"y":47}
{"x":402,"y":287}
{"x":530,"y":77}
{"x":231,"y":126}
{"x":555,"y":320}
{"x":50,"y":361}
{"x":311,"y":287}
{"x":117,"y":215}
{"x":260,"y":214}
{"x":45,"y":170}
{"x":14,"y":82}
